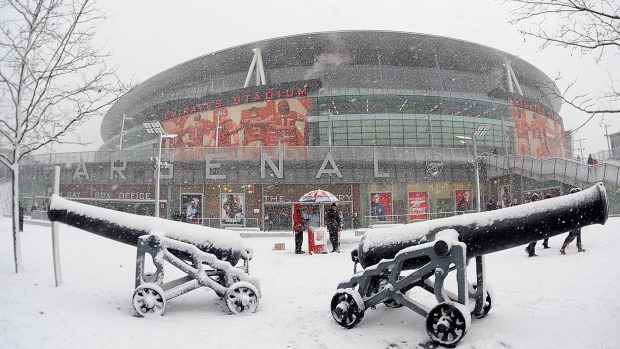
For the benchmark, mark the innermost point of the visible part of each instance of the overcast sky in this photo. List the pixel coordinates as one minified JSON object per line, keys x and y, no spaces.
{"x":147,"y":37}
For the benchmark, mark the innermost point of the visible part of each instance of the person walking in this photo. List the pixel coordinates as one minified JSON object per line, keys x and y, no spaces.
{"x":334,"y":223}
{"x":530,"y":249}
{"x":298,"y":228}
{"x":573,"y":233}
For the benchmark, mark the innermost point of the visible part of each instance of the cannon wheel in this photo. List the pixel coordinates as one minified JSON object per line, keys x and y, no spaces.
{"x":446,"y":324}
{"x":242,"y":297}
{"x":390,"y":303}
{"x":488,"y":304}
{"x":347,"y":308}
{"x":149,"y":299}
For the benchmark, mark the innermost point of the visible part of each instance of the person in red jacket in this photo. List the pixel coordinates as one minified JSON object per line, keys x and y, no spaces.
{"x":298,"y":228}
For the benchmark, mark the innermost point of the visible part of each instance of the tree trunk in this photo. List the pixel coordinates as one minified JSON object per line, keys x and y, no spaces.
{"x":17,"y":249}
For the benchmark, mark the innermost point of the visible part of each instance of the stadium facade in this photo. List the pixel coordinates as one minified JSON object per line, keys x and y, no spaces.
{"x":383,"y":120}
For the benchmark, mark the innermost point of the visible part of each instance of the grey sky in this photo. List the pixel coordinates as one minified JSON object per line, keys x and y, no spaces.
{"x":147,"y":37}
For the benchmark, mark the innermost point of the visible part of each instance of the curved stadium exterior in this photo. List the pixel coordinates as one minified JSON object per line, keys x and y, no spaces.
{"x":367,"y":115}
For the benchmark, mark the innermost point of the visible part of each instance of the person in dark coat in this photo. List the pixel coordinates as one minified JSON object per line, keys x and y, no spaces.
{"x":491,"y":205}
{"x":334,"y":223}
{"x":530,"y":249}
{"x":574,"y":233}
{"x":298,"y":228}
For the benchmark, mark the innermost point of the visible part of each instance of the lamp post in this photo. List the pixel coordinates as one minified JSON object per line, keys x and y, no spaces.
{"x":481,"y":130}
{"x":604,"y":124}
{"x":154,"y":127}
{"x":463,"y":140}
{"x":120,"y":142}
{"x":581,"y":148}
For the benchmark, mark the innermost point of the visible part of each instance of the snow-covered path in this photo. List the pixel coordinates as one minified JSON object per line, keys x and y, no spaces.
{"x":551,"y":301}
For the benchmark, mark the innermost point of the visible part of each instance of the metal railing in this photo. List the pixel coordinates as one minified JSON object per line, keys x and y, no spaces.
{"x":567,"y":171}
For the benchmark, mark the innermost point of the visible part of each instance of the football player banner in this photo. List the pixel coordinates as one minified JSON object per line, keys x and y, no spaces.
{"x":191,"y":206}
{"x":233,"y":209}
{"x":463,"y":200}
{"x":380,"y":206}
{"x":271,"y":123}
{"x":418,"y":205}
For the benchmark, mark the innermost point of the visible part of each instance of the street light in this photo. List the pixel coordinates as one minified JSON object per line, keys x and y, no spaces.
{"x":604,"y":124}
{"x":480,"y":131}
{"x":154,"y":127}
{"x":463,"y":140}
{"x":581,"y":148}
{"x":120,"y":142}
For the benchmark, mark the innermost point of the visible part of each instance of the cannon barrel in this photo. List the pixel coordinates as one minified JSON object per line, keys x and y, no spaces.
{"x":491,"y":231}
{"x":125,"y":227}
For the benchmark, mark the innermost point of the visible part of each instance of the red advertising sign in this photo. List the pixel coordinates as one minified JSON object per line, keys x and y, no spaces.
{"x":418,"y":205}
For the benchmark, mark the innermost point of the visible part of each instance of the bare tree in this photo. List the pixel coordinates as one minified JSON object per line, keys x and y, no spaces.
{"x":51,"y":80}
{"x":588,"y":26}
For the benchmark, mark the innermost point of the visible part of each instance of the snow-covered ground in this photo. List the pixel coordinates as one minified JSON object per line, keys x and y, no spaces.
{"x":551,"y":301}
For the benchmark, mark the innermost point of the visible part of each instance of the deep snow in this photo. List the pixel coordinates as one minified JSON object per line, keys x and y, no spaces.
{"x":551,"y":301}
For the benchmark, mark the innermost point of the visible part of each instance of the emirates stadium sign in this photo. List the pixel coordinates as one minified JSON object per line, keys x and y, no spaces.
{"x":241,"y":96}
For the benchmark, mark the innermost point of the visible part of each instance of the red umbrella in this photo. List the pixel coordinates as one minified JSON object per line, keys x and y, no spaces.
{"x":318,"y":196}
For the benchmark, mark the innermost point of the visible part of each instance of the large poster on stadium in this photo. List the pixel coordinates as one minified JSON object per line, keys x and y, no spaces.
{"x":418,"y":205}
{"x":463,"y":201}
{"x":233,"y":209}
{"x":380,"y":206}
{"x":539,"y":131}
{"x":538,"y":135}
{"x":191,"y":206}
{"x":267,"y":123}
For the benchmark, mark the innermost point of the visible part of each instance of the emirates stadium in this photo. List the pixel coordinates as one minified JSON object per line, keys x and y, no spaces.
{"x":388,"y":122}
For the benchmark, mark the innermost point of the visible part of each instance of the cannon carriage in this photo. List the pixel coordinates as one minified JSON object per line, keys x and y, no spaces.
{"x":207,"y":256}
{"x":424,"y":254}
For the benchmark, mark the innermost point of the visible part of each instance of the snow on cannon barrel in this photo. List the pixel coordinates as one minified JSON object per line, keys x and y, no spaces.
{"x":423,"y":254}
{"x":207,"y":255}
{"x":492,"y":231}
{"x":125,"y":227}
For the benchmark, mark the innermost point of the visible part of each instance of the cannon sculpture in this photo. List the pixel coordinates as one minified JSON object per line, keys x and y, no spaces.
{"x":207,"y":255}
{"x":398,"y":259}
